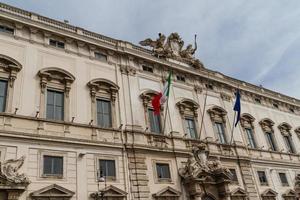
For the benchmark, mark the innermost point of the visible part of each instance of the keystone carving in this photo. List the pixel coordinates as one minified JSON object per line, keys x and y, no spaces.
{"x":172,"y":48}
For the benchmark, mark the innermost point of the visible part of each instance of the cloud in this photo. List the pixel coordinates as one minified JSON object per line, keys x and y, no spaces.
{"x":255,"y":41}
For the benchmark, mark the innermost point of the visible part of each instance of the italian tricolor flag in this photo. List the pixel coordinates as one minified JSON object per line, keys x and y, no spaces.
{"x":159,"y":99}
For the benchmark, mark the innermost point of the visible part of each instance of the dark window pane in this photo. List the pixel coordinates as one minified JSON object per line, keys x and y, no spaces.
{"x":163,"y":171}
{"x":3,"y":92}
{"x":57,"y":43}
{"x":104,"y":113}
{"x":107,"y":168}
{"x":289,"y":144}
{"x":154,"y":121}
{"x":271,"y":141}
{"x":190,"y":127}
{"x":262,"y":177}
{"x":221,"y":132}
{"x":55,"y":105}
{"x":250,"y":137}
{"x":234,"y":176}
{"x":6,"y":29}
{"x":53,"y":165}
{"x":283,"y":179}
{"x":147,"y":68}
{"x":100,"y":56}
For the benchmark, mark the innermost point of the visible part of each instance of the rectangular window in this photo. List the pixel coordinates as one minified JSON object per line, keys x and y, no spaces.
{"x":234,"y":176}
{"x":250,"y":137}
{"x":163,"y":171}
{"x":55,"y":105}
{"x":56,"y":43}
{"x":3,"y":92}
{"x":53,"y":165}
{"x":6,"y":29}
{"x":289,"y":143}
{"x":154,"y":121}
{"x":147,"y":68}
{"x":107,"y":169}
{"x":271,"y":141}
{"x":221,"y":132}
{"x":262,"y":177}
{"x":104,"y":113}
{"x":190,"y":127}
{"x":180,"y":78}
{"x":100,"y":56}
{"x":283,"y":179}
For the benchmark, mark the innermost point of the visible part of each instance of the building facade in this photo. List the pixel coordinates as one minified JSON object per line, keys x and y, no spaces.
{"x":77,"y":123}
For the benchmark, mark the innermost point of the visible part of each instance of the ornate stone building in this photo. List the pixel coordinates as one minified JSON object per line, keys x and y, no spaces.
{"x":76,"y":121}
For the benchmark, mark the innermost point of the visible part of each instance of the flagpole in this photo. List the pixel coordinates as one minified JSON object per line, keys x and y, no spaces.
{"x":165,"y":116}
{"x":232,"y":128}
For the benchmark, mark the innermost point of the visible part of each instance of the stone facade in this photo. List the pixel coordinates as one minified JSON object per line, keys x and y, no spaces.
{"x":38,"y":53}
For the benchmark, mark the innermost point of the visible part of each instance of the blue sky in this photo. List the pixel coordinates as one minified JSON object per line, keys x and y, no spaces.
{"x":257,"y":41}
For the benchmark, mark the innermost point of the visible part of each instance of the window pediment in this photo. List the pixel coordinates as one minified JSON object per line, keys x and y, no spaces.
{"x":267,"y":125}
{"x":188,"y":106}
{"x":285,"y":128}
{"x":167,"y":192}
{"x":238,"y":192}
{"x":297,"y":131}
{"x":103,"y":87}
{"x":53,"y":191}
{"x":247,"y":120}
{"x":269,"y":193}
{"x":110,"y":192}
{"x":289,"y":193}
{"x":147,"y":96}
{"x":56,"y":76}
{"x":10,"y":66}
{"x":217,"y":113}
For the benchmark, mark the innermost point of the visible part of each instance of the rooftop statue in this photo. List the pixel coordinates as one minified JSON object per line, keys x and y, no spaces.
{"x":173,"y":48}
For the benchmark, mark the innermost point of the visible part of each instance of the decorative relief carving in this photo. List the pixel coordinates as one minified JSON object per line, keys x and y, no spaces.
{"x":126,"y":69}
{"x":198,"y":166}
{"x":172,"y":48}
{"x":266,"y":125}
{"x":9,"y":172}
{"x":285,"y":128}
{"x":217,"y":114}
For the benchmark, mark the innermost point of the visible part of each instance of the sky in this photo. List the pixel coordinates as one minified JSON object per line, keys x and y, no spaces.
{"x":256,"y":41}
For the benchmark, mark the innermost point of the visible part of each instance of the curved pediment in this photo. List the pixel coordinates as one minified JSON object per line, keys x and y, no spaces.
{"x":9,"y":63}
{"x":101,"y":82}
{"x":56,"y":73}
{"x":53,"y":191}
{"x":217,"y":110}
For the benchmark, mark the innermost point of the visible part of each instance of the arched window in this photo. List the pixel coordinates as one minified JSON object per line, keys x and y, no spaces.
{"x":267,"y":127}
{"x":103,"y":94}
{"x":9,"y":68}
{"x":188,"y":110}
{"x":55,"y":89}
{"x":285,"y":128}
{"x":153,"y":121}
{"x":218,"y":117}
{"x":247,"y":124}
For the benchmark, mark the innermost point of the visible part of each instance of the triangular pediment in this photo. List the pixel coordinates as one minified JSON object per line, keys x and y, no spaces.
{"x":269,"y":193}
{"x":112,"y":191}
{"x":289,"y":193}
{"x":53,"y":191}
{"x":167,"y":192}
{"x":238,"y":192}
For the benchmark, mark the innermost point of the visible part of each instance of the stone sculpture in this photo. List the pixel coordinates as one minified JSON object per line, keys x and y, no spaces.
{"x":9,"y":171}
{"x":172,"y":48}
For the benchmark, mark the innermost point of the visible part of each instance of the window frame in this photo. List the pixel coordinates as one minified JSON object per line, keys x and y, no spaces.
{"x":110,"y":112}
{"x":287,"y":184}
{"x":53,"y":174}
{"x":101,"y":55}
{"x":267,"y":128}
{"x":218,"y":115}
{"x":6,"y":94}
{"x":188,"y":110}
{"x":56,"y":79}
{"x":97,"y":168}
{"x":188,"y":128}
{"x":251,"y":137}
{"x":236,"y":181}
{"x":271,"y":141}
{"x":5,"y":27}
{"x":158,"y":180}
{"x":63,"y":104}
{"x":43,"y":153}
{"x":103,"y":89}
{"x":158,"y":120}
{"x":57,"y":42}
{"x":113,"y":178}
{"x":266,"y":183}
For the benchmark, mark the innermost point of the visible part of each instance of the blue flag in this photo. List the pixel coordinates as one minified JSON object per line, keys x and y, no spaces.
{"x":237,"y":107}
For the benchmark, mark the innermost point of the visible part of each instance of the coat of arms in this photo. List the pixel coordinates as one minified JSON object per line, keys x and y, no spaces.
{"x":172,"y":48}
